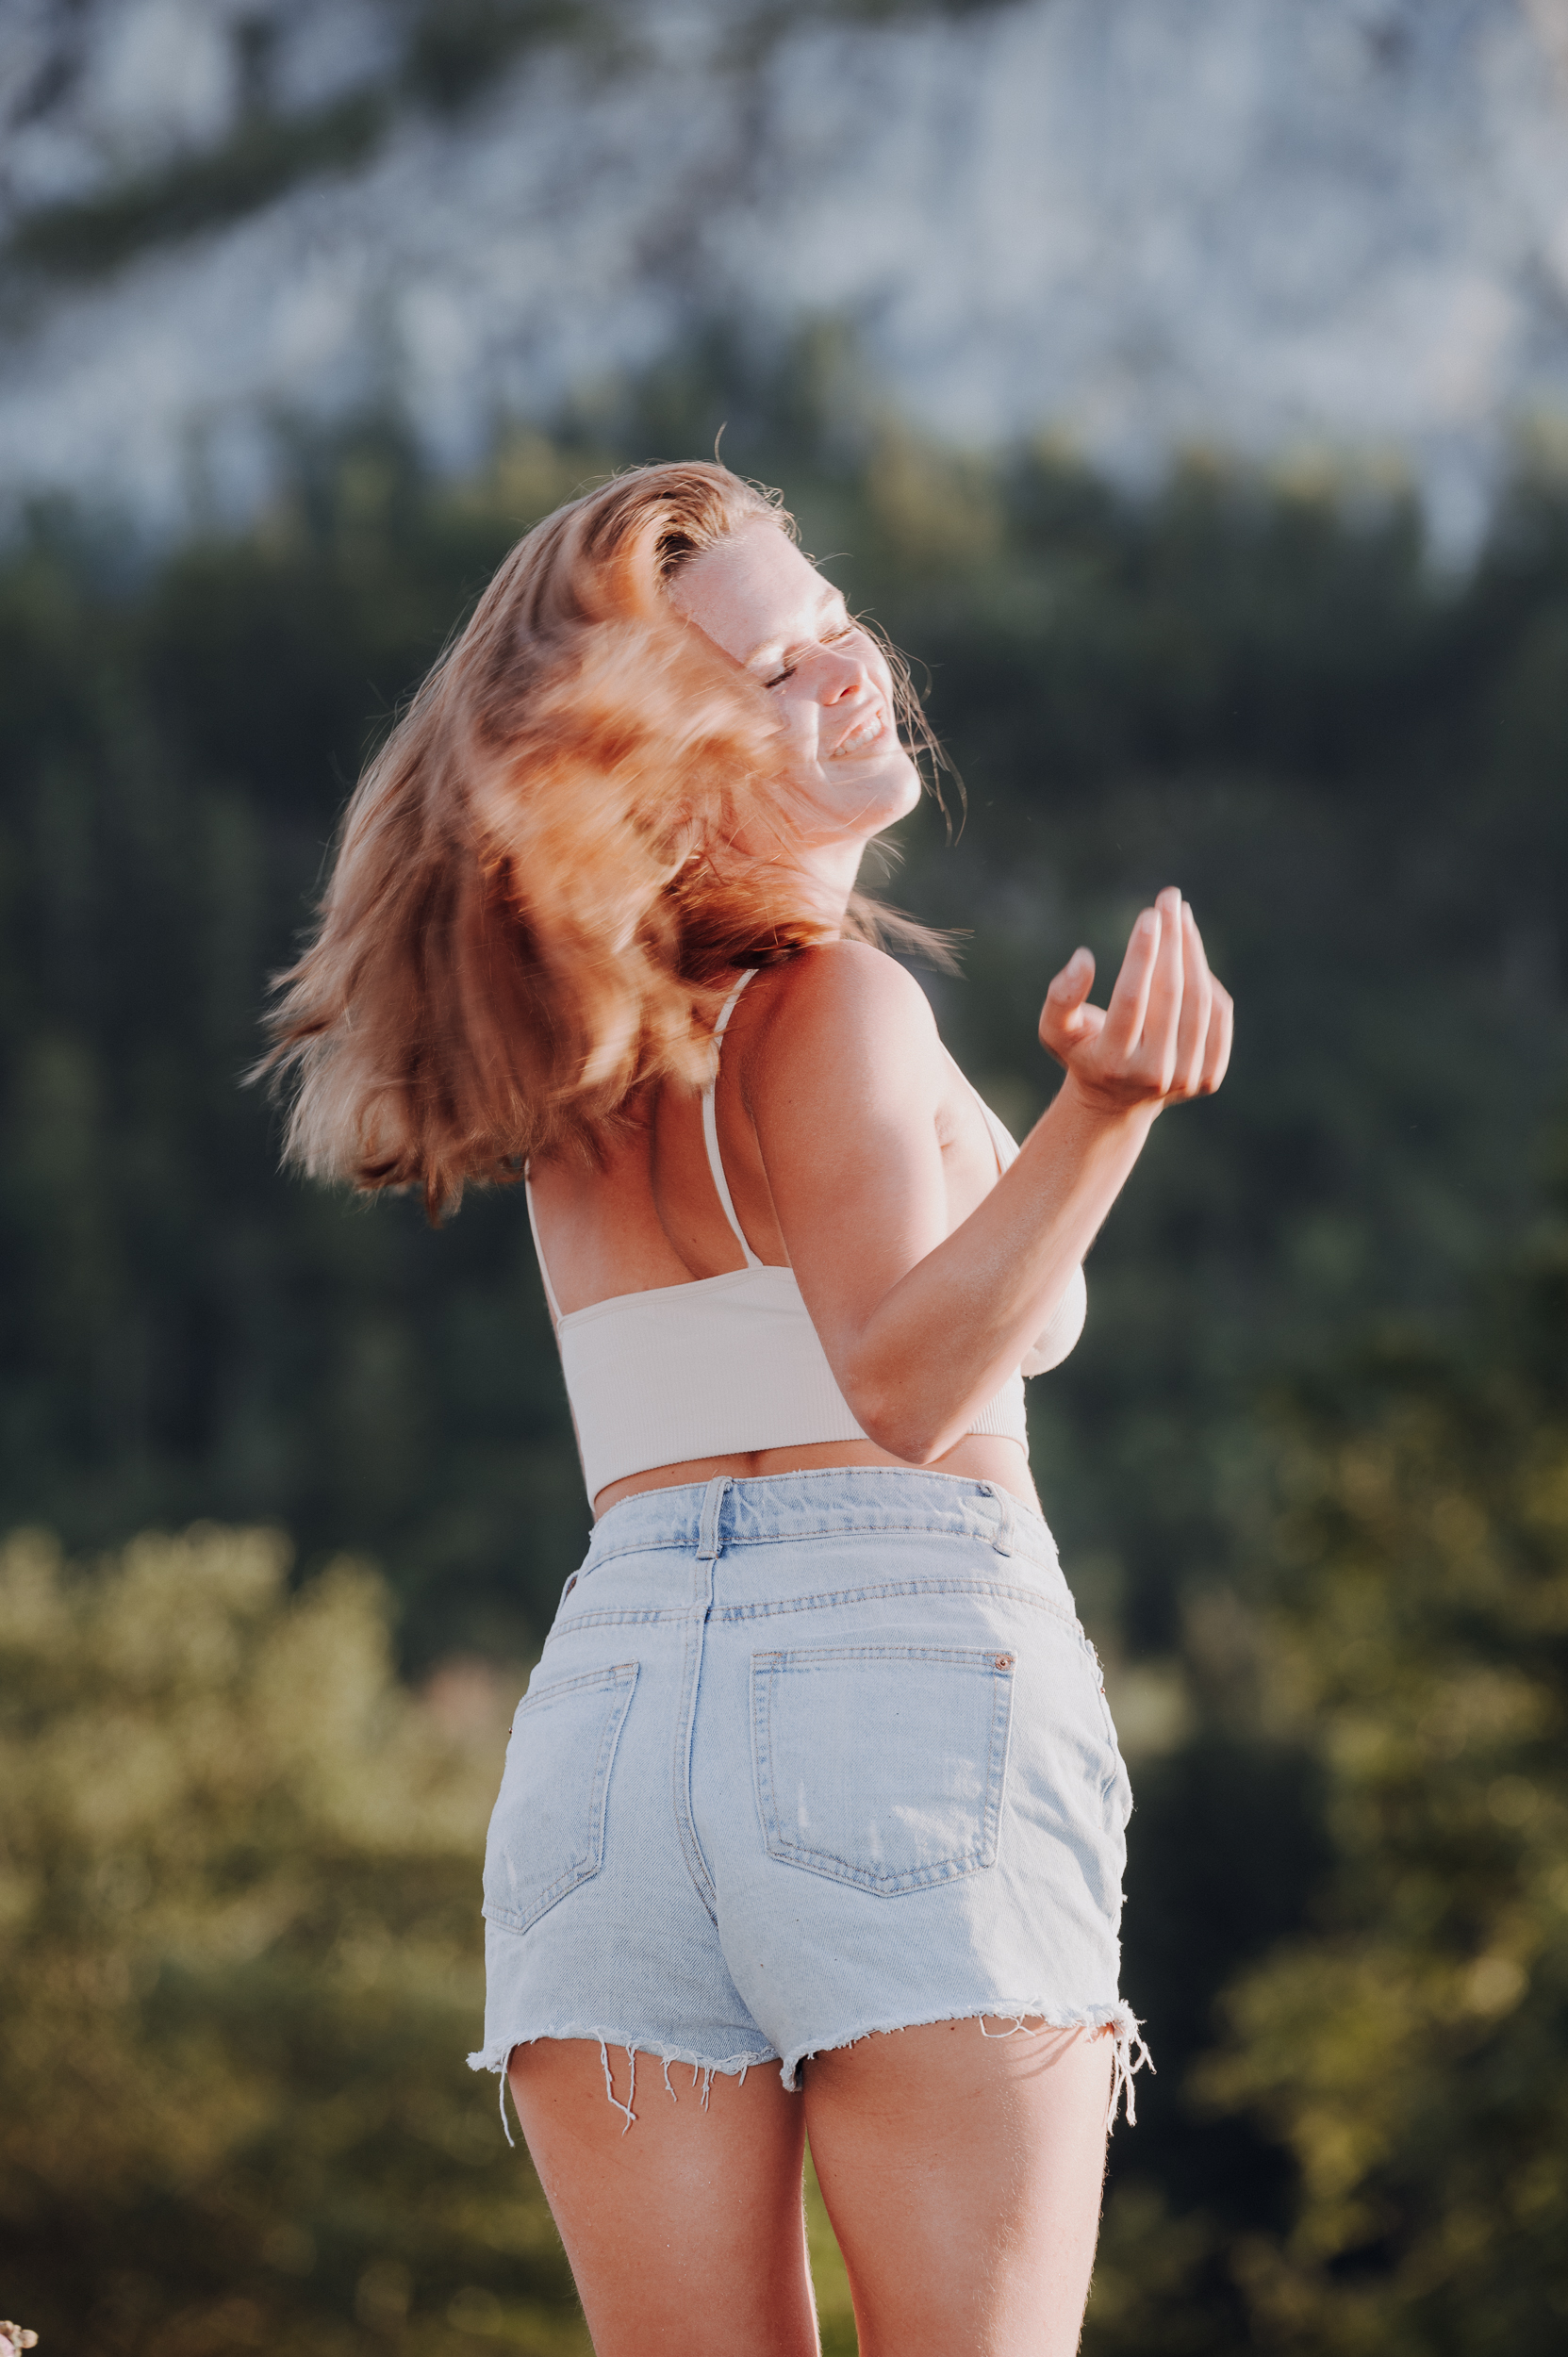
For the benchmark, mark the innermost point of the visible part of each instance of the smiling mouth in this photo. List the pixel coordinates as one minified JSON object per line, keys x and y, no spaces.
{"x":863,"y":736}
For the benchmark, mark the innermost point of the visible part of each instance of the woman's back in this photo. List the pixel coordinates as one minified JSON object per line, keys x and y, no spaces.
{"x":729,"y":1351}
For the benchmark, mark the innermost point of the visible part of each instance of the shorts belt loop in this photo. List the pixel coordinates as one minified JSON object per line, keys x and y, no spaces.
{"x":708,"y":1541}
{"x":1003,"y":1540}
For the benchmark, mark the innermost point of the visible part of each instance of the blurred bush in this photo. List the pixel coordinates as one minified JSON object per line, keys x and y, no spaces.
{"x":1404,"y":2043}
{"x":241,"y":1967}
{"x":1411,"y":2051}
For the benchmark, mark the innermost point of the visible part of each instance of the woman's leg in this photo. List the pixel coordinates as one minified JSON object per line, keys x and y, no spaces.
{"x":962,"y":2177}
{"x":685,"y":2234}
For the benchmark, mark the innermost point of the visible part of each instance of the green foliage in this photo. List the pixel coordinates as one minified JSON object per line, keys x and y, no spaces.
{"x":241,"y":1965}
{"x":1410,"y":2051}
{"x":1396,"y":2021}
{"x":181,"y":1331}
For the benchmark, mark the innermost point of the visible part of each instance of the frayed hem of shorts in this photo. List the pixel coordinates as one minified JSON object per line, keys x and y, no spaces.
{"x":1130,"y":2053}
{"x":499,"y":2052}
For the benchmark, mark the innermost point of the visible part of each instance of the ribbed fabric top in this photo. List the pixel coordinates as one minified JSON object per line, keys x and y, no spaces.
{"x":718,"y":1365}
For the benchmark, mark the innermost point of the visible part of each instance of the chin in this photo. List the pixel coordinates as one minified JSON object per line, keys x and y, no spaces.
{"x":859,"y":799}
{"x":900,"y":790}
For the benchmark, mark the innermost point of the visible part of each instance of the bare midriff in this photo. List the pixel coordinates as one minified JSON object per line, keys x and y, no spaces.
{"x":978,"y":1457}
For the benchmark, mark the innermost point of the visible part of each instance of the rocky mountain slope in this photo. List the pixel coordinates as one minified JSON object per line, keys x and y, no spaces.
{"x":1338,"y":230}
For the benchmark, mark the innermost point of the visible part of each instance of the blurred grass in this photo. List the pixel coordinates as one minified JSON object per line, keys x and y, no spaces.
{"x":241,"y":1965}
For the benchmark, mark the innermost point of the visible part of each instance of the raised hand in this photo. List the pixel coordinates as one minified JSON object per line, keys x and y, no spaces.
{"x":1165,"y":1035}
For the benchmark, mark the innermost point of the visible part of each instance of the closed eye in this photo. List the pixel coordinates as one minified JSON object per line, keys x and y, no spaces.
{"x":845,"y":629}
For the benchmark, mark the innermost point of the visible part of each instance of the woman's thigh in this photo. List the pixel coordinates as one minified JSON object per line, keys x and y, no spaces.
{"x":962,"y":2176}
{"x":685,"y":2232}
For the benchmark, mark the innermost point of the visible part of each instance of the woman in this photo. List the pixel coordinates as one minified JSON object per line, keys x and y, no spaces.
{"x":817,"y":1752}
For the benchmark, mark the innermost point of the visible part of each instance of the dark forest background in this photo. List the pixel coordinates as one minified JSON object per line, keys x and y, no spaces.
{"x":1308,"y":1468}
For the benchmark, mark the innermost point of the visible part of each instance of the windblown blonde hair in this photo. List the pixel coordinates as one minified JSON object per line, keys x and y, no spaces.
{"x":534,"y":910}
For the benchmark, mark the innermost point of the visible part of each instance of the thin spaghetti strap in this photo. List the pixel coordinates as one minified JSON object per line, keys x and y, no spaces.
{"x":728,"y":1009}
{"x":710,"y":1127}
{"x":544,"y":1271}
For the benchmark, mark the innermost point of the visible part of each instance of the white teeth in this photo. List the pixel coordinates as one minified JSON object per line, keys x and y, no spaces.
{"x":866,"y":734}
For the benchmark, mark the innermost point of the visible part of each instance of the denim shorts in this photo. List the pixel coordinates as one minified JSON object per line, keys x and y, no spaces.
{"x":806,"y":1757}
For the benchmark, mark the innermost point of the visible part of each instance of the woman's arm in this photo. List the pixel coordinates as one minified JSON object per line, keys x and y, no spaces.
{"x":845,"y":1081}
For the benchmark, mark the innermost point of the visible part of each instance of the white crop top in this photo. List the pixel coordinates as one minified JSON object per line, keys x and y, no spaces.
{"x":719,"y":1365}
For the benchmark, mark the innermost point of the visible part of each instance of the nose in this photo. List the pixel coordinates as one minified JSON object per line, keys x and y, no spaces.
{"x":842,"y":675}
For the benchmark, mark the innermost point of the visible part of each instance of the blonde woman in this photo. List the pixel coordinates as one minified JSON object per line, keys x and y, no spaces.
{"x":812,"y":1820}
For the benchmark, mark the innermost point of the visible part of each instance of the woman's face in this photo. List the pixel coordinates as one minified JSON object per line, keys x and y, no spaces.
{"x":757,"y":597}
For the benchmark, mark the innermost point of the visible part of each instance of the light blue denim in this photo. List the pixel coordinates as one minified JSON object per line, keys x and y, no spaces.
{"x":808,"y":1757}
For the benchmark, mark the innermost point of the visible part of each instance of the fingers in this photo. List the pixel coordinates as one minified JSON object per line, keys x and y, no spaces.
{"x":1166,"y":1033}
{"x":1192,"y":1036}
{"x":1208,"y":1021}
{"x":1124,"y":1017}
{"x":1066,"y":1019}
{"x":1216,"y":1051}
{"x":1162,"y":1017}
{"x":1073,"y":984}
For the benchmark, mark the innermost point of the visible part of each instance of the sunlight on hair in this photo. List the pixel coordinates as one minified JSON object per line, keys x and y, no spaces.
{"x":534,"y":911}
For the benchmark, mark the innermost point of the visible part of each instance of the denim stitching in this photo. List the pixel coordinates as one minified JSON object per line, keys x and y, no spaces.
{"x":768,"y":1668}
{"x":635,"y":1616}
{"x":961,"y":1527}
{"x":979,"y":1657}
{"x":559,"y":1687}
{"x":677,"y":1542}
{"x":609,"y":1616}
{"x":710,"y":1545}
{"x":996,"y":1783}
{"x":622,"y":1680}
{"x":827,"y":1598}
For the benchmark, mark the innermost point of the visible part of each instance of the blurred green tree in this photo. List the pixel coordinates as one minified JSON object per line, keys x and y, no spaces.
{"x":183,"y":1332}
{"x":240,"y":1965}
{"x":1410,"y":2049}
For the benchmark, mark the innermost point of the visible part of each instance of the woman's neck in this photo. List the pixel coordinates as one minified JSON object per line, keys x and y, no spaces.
{"x":829,"y":870}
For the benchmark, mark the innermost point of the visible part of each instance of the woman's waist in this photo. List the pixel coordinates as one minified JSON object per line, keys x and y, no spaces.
{"x":908,"y":1547}
{"x":734,"y":1518}
{"x":989,"y":1459}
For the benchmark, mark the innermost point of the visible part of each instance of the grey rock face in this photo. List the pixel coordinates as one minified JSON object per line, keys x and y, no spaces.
{"x":1338,"y":229}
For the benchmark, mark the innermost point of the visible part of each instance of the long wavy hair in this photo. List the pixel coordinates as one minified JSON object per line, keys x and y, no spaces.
{"x":534,"y":909}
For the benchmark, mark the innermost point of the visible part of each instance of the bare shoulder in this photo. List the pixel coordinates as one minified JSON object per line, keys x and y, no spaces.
{"x":843,"y":1016}
{"x":839,"y":994}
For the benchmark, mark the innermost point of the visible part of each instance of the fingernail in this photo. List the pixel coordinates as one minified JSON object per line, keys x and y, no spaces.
{"x":1149,"y":921}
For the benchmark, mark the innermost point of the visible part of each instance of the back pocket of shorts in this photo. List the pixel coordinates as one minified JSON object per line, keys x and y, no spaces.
{"x":881,"y":1765}
{"x":547,"y":1833}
